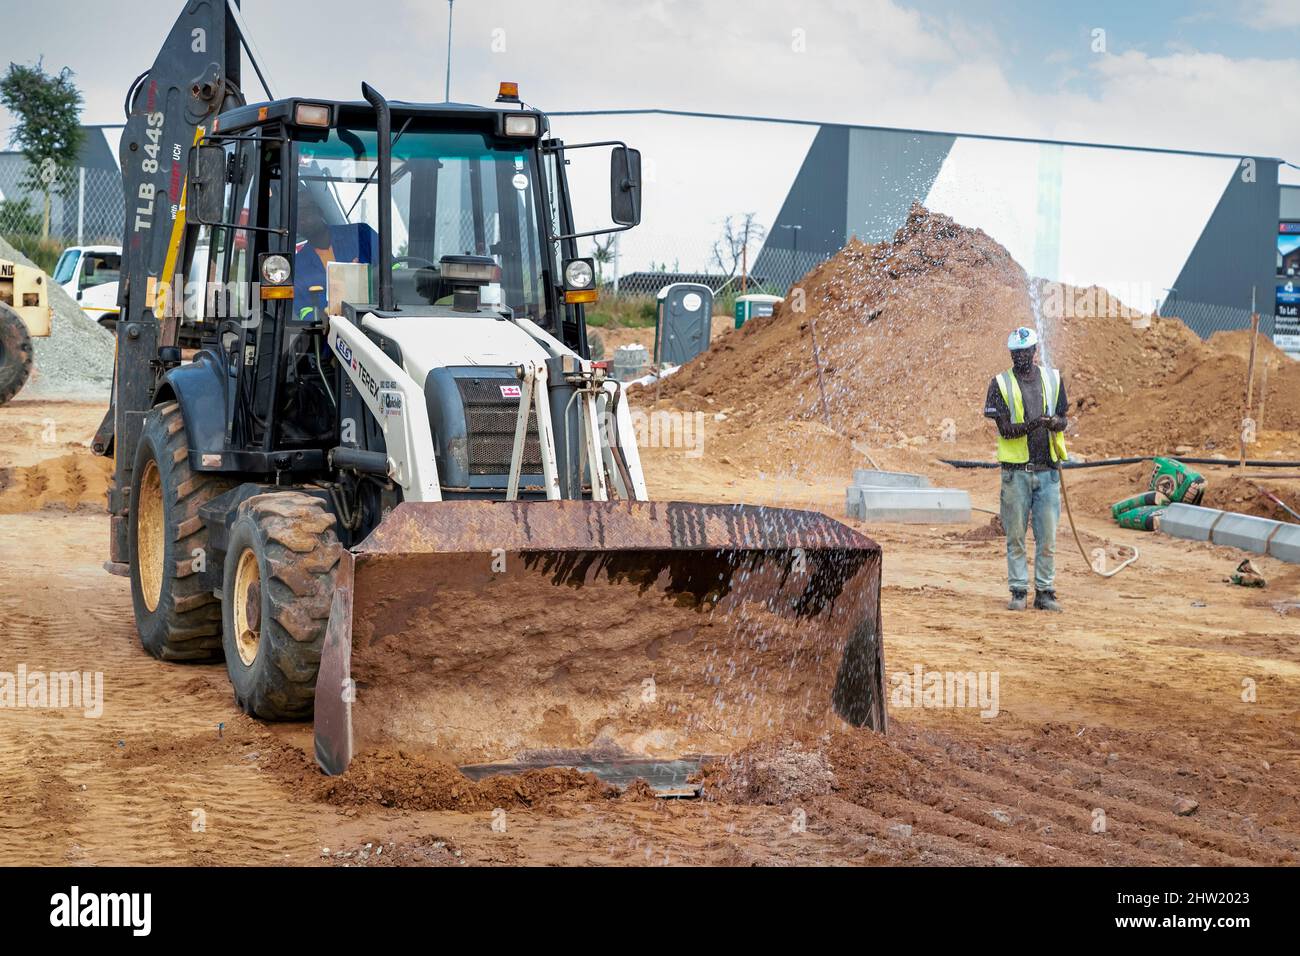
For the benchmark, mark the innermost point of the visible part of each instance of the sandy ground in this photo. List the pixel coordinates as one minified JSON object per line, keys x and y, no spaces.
{"x":1122,"y":735}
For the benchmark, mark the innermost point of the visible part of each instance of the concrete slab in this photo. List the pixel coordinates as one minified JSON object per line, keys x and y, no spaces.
{"x":1285,"y":545}
{"x":1245,"y":532}
{"x":853,"y":501}
{"x":914,"y":505}
{"x":868,"y":478}
{"x":1189,"y":521}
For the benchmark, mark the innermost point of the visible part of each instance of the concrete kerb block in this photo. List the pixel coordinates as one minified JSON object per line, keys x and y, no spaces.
{"x":1189,"y":521}
{"x":914,"y":505}
{"x":853,"y":501}
{"x":868,"y":478}
{"x":1245,"y":532}
{"x":1285,"y":544}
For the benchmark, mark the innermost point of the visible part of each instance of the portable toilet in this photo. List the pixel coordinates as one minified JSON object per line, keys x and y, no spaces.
{"x":685,"y":322}
{"x":754,"y":304}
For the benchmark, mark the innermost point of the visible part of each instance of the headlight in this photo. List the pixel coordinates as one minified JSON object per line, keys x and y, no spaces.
{"x":520,"y":124}
{"x":276,"y":270}
{"x":578,"y":274}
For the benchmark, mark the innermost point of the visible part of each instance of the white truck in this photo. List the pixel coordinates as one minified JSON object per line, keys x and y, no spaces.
{"x":90,"y":275}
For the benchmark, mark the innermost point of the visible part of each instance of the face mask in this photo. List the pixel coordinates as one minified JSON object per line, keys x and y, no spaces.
{"x":1022,"y":360}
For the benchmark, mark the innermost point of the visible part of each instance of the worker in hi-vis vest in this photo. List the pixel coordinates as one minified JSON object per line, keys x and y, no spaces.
{"x":1028,"y":404}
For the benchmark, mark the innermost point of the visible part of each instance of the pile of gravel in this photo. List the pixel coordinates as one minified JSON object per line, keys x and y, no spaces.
{"x":76,"y":360}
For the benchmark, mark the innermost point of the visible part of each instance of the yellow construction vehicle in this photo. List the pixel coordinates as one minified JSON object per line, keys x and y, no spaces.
{"x":24,"y":315}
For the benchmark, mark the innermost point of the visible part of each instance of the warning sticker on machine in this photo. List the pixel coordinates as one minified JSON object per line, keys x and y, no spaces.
{"x":511,"y":391}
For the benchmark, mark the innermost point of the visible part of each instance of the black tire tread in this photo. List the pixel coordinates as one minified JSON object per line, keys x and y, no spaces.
{"x":192,"y":619}
{"x":17,"y":354}
{"x":301,"y":552}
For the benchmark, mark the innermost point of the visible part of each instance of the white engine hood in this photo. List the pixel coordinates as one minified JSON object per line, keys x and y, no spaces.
{"x":429,"y":342}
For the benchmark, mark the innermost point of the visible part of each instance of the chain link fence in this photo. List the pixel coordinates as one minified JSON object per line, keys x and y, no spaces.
{"x":85,"y":208}
{"x":646,"y":266}
{"x":1205,"y":319}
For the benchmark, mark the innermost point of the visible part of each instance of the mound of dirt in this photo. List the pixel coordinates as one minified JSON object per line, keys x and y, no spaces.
{"x":1153,"y":391}
{"x":868,"y":763}
{"x":1247,"y":496}
{"x":909,"y":332}
{"x":851,"y":764}
{"x":993,"y":531}
{"x":410,"y":781}
{"x":773,"y":771}
{"x":68,"y":481}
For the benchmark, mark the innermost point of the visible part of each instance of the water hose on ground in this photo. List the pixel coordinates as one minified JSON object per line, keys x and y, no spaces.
{"x":1075,"y":531}
{"x":1109,"y":462}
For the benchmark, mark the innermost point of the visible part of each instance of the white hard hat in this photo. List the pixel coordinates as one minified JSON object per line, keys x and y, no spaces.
{"x":1022,"y":338}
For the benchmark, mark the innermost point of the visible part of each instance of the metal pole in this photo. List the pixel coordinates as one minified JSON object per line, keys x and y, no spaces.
{"x":451,"y":8}
{"x":81,"y":205}
{"x":794,"y":254}
{"x":821,"y":381}
{"x":1250,"y":379}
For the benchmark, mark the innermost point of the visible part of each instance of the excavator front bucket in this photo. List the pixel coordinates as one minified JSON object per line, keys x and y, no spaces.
{"x":523,"y":631}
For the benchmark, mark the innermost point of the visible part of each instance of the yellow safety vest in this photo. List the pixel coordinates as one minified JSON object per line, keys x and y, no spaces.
{"x":1015,"y":451}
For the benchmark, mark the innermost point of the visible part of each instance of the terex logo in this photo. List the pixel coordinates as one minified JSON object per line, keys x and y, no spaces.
{"x":133,"y":910}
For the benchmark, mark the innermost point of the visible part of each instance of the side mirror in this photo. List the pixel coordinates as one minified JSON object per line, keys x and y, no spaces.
{"x":207,"y":185}
{"x":625,"y":186}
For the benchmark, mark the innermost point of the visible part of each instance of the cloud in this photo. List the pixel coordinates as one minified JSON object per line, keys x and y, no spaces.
{"x":1268,"y":14}
{"x":871,"y":62}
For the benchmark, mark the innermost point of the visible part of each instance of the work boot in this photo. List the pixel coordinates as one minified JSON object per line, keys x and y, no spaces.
{"x":1017,"y":602}
{"x":1046,"y":601}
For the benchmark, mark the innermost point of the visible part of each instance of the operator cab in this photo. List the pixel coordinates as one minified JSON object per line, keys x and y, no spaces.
{"x":477,"y":203}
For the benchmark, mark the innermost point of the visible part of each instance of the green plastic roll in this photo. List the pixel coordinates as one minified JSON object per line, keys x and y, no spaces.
{"x":1145,"y":518}
{"x":1147,"y":499}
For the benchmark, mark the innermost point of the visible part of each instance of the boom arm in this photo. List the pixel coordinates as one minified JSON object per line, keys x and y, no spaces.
{"x":194,"y":78}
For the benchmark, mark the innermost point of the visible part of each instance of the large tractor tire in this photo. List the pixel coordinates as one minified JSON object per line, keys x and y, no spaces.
{"x":281,"y":562}
{"x":178,"y":619}
{"x":15,"y":354}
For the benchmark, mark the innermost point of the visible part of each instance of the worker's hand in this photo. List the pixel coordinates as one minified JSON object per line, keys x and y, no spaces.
{"x":1057,"y":423}
{"x":1040,"y":422}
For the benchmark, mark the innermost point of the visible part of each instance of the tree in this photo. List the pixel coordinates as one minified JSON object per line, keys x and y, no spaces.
{"x":603,"y":254}
{"x":729,"y":250}
{"x":47,"y":109}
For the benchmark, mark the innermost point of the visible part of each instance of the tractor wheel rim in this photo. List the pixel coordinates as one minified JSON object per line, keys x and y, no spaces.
{"x":248,"y":588}
{"x":150,"y":537}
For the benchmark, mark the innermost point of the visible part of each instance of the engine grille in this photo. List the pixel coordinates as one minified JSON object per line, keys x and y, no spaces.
{"x":490,"y":420}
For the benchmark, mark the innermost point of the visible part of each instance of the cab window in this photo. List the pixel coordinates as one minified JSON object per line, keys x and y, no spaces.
{"x":100,"y":268}
{"x":67,"y":266}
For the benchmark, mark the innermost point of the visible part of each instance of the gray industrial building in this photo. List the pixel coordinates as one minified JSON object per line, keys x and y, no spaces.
{"x":1193,"y":234}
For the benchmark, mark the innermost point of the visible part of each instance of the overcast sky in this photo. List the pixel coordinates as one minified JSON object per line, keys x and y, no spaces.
{"x":1202,"y":74}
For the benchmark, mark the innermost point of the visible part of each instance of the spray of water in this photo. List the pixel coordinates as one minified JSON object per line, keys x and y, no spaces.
{"x":1040,"y":322}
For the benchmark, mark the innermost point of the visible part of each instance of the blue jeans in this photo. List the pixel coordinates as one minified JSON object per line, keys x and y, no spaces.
{"x":1031,"y":498}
